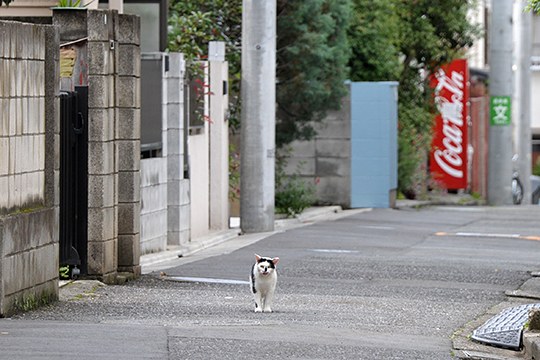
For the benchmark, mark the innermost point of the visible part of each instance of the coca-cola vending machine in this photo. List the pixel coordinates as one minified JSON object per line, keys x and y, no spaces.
{"x":448,"y":157}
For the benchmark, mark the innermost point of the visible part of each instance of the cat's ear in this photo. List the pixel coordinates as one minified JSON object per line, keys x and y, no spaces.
{"x":258,"y":257}
{"x":275,"y":260}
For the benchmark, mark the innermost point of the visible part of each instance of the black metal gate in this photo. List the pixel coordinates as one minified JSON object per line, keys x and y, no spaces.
{"x":74,"y":180}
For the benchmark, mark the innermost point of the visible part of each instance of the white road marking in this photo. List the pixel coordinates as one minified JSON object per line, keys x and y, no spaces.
{"x":377,"y":227}
{"x":335,"y":251}
{"x":209,"y":280}
{"x":491,"y":235}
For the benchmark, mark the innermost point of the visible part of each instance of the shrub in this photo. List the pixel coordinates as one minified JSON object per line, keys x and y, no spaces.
{"x":293,"y":196}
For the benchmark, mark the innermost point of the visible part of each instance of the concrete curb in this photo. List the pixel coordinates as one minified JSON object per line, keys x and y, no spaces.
{"x":531,"y":344}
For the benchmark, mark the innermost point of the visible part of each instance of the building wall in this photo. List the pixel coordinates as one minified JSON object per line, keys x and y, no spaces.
{"x":29,"y":163}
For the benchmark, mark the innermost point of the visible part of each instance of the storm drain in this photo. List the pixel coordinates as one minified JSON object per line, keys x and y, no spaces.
{"x":504,"y":329}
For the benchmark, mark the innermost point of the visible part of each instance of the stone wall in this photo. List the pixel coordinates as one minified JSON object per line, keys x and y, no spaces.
{"x":29,"y":165}
{"x":325,"y":160}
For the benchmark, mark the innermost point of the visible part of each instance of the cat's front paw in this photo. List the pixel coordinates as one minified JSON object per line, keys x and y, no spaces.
{"x":267,"y":310}
{"x":258,"y":310}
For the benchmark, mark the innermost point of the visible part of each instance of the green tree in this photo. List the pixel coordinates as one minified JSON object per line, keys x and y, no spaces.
{"x":403,"y":40}
{"x":312,"y":56}
{"x":373,"y":41}
{"x":193,"y":24}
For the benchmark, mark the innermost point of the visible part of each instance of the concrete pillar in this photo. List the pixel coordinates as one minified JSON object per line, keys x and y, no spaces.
{"x":128,"y":121}
{"x":113,"y":78}
{"x":501,"y":86}
{"x":257,"y":169}
{"x":178,"y":208}
{"x":219,"y":137}
{"x":102,"y":150}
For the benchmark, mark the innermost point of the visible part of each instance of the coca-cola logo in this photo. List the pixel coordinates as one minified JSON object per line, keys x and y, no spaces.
{"x":449,"y":93}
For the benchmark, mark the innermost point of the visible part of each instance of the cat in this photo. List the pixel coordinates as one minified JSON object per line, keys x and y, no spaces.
{"x":263,"y":280}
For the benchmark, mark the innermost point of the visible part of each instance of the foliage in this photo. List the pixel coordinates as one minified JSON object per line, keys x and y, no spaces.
{"x":193,"y":24}
{"x":64,"y":272}
{"x":32,"y":301}
{"x":312,"y":56}
{"x":536,"y":169}
{"x":234,"y":173}
{"x":402,"y":40}
{"x":73,"y":3}
{"x":534,"y":6}
{"x":69,"y":3}
{"x":372,"y":37}
{"x":292,"y":194}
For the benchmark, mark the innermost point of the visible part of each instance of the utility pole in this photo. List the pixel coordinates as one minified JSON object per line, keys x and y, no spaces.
{"x":257,"y":157}
{"x":501,"y":86}
{"x":524,"y":131}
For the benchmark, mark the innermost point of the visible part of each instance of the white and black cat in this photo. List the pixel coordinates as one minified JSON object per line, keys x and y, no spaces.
{"x":263,"y":282}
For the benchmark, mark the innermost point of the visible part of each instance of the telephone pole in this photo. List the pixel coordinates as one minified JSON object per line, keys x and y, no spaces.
{"x":524,"y":146}
{"x":257,"y":157}
{"x":501,"y":86}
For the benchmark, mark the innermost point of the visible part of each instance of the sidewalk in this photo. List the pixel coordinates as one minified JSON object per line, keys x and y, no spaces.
{"x":152,"y":262}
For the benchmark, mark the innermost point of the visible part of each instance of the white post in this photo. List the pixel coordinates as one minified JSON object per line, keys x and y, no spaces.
{"x":115,"y":5}
{"x":219,"y":137}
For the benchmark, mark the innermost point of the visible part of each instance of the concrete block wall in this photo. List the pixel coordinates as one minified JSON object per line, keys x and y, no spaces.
{"x":153,"y":205}
{"x":29,"y":164}
{"x":103,"y":159}
{"x":113,"y":78}
{"x":22,"y":116}
{"x":178,"y":197}
{"x":165,"y":198}
{"x":128,"y":110}
{"x":325,"y":160}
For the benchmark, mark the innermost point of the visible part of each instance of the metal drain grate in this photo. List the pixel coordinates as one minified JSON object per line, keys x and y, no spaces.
{"x":504,"y":330}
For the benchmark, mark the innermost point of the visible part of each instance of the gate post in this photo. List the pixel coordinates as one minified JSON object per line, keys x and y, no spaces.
{"x":128,"y":110}
{"x":111,"y":70}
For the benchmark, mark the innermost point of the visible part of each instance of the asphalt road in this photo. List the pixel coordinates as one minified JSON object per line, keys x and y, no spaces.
{"x":384,"y":284}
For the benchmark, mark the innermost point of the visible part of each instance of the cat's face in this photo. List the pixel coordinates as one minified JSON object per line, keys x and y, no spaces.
{"x":266,"y":266}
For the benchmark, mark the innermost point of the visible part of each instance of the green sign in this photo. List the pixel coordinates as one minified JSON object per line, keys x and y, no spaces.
{"x":500,"y":110}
